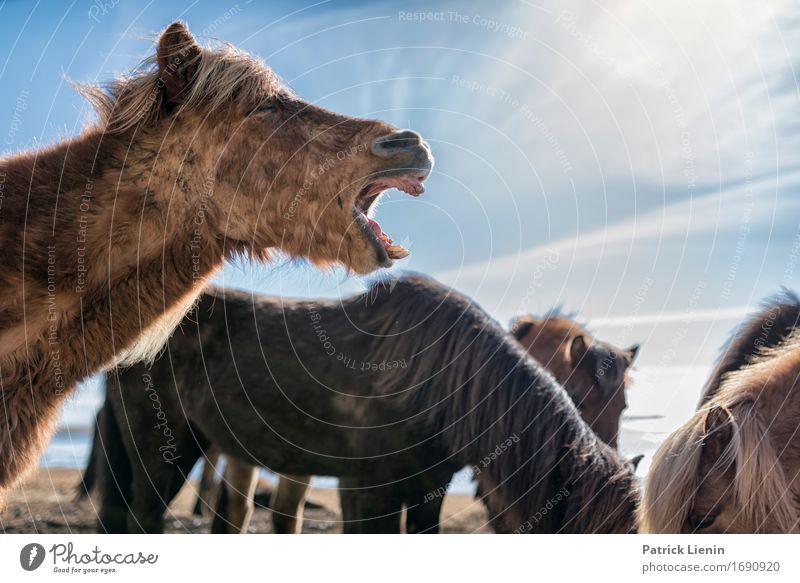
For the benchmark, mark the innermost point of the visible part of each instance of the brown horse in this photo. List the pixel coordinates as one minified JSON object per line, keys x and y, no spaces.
{"x":407,"y":380}
{"x":199,"y":155}
{"x":593,"y":372}
{"x":734,"y":467}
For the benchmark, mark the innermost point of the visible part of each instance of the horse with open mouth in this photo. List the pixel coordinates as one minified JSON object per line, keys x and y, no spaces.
{"x":199,"y":155}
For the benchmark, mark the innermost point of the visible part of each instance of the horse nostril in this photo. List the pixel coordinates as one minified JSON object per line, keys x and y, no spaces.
{"x":396,"y":143}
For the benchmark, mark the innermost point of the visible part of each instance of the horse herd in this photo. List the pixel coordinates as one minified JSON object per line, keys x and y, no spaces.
{"x":395,"y":390}
{"x":202,"y":154}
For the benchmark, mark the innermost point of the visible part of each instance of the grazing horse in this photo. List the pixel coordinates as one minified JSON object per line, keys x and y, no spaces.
{"x":734,"y":467}
{"x":409,"y":377}
{"x":593,"y":372}
{"x":108,"y":238}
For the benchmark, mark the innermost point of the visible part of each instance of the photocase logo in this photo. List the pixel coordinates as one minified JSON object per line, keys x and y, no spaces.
{"x":31,"y":556}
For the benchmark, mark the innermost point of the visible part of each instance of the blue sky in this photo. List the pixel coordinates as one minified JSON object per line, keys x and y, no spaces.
{"x":638,"y":164}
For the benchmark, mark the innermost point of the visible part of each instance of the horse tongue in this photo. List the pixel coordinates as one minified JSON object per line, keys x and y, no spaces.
{"x":376,"y":227}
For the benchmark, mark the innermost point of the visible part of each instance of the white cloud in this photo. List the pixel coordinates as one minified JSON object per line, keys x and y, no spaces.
{"x":704,"y":214}
{"x":674,"y":316}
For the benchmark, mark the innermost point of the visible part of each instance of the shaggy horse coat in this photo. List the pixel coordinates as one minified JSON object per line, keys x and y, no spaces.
{"x":108,"y":237}
{"x":735,"y":465}
{"x":393,"y":384}
{"x":593,"y":372}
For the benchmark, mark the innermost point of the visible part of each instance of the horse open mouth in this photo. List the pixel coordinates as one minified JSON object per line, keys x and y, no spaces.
{"x":371,"y":228}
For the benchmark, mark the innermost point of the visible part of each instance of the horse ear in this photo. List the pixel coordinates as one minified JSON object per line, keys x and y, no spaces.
{"x":522,"y":326}
{"x":634,"y":461}
{"x":178,"y":57}
{"x":718,"y":433}
{"x":578,"y":349}
{"x":633,"y":351}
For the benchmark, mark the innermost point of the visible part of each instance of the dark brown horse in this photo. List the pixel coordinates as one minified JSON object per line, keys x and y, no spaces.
{"x":387,"y":386}
{"x":593,"y":372}
{"x":198,"y":156}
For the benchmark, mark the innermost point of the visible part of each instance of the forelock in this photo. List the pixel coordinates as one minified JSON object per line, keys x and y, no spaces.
{"x":225,"y":76}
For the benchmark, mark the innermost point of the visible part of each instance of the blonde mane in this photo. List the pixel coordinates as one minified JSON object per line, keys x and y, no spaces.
{"x":756,"y":397}
{"x":223,"y":75}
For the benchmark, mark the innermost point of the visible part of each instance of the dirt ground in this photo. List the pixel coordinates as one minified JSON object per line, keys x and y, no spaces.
{"x":44,"y":503}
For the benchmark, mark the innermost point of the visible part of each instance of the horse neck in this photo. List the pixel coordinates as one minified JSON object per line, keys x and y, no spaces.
{"x":552,"y":359}
{"x":525,"y":440}
{"x":548,"y":345}
{"x":119,"y":238}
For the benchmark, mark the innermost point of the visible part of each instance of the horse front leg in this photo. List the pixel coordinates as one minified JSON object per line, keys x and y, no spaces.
{"x":113,"y":467}
{"x":30,"y":401}
{"x":424,"y":497}
{"x":288,"y":503}
{"x":207,"y":489}
{"x":235,"y":502}
{"x":369,"y":510}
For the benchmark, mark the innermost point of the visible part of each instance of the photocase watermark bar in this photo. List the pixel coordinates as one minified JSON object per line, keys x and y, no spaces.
{"x":571,"y":557}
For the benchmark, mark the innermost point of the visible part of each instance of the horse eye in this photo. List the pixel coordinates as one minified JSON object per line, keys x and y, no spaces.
{"x":701,"y":521}
{"x":266,"y":108}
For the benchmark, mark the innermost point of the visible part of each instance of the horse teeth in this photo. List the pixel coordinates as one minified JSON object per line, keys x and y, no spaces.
{"x":397,"y":252}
